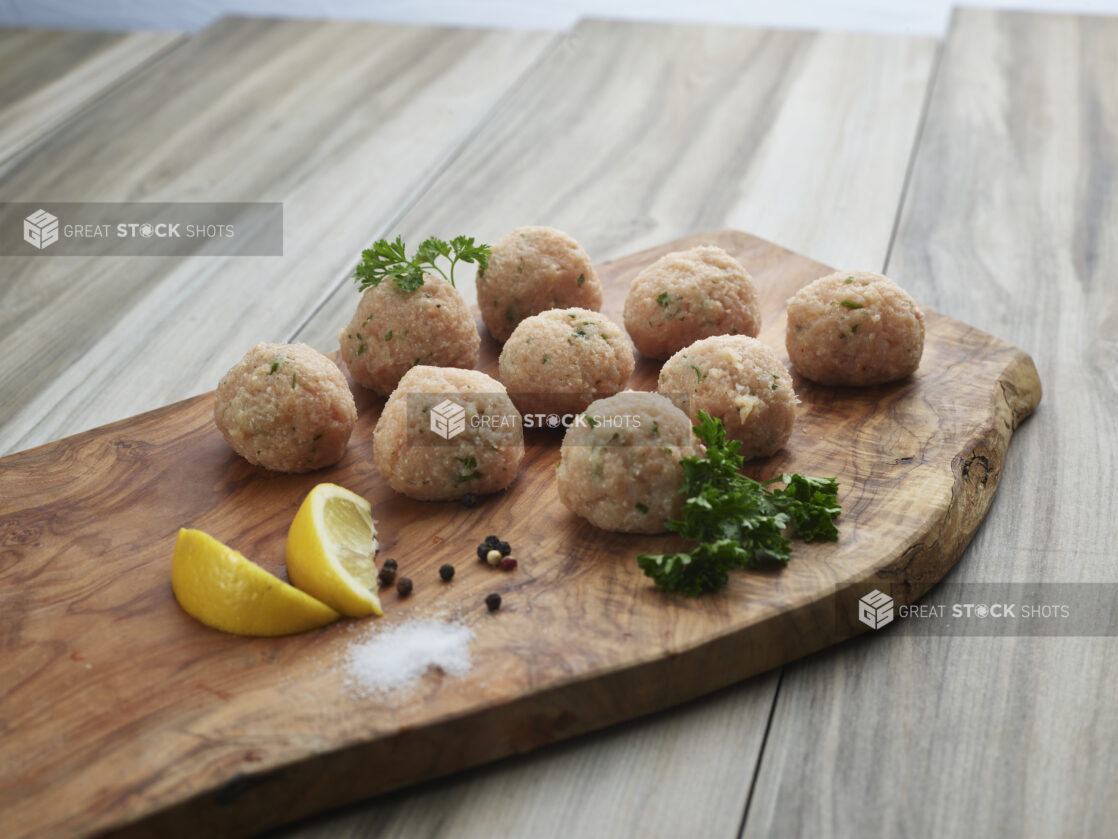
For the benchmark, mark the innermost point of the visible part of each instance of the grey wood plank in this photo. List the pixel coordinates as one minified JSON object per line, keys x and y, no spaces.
{"x":46,"y":76}
{"x":633,"y":134}
{"x":343,"y":123}
{"x":626,"y":136}
{"x":1010,"y":223}
{"x":634,"y":767}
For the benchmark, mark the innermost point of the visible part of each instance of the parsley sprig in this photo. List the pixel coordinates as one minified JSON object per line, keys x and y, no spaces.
{"x":389,"y":260}
{"x":738,"y":522}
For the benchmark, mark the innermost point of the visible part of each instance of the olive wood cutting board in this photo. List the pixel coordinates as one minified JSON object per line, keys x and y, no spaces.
{"x":120,"y":714}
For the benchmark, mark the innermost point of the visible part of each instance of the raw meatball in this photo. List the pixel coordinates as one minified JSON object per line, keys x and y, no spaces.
{"x":620,"y":470}
{"x":480,"y":454}
{"x":394,"y":330}
{"x":738,"y":380}
{"x":285,"y":407}
{"x":561,"y":360}
{"x":688,"y":295}
{"x":531,"y":270}
{"x":854,"y":328}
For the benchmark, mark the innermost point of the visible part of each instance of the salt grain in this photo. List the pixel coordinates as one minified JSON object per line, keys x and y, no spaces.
{"x":395,"y":657}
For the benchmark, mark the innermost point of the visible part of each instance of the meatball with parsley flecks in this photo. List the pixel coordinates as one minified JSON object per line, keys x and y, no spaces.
{"x":854,"y":328}
{"x":739,"y":380}
{"x":561,"y":360}
{"x":394,"y":330}
{"x":687,"y":295}
{"x":619,"y":469}
{"x":447,"y":433}
{"x":531,"y":270}
{"x":285,"y":407}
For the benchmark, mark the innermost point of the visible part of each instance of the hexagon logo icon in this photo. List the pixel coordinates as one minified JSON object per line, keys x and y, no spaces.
{"x":875,"y":610}
{"x":40,"y":229}
{"x":448,"y":419}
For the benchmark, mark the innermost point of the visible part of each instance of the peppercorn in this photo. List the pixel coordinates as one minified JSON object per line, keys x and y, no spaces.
{"x":493,"y":558}
{"x":508,"y":564}
{"x":446,"y":572}
{"x":391,"y":563}
{"x":490,"y":543}
{"x":493,"y":602}
{"x":387,"y":574}
{"x":468,"y":501}
{"x":403,"y":587}
{"x":504,"y":548}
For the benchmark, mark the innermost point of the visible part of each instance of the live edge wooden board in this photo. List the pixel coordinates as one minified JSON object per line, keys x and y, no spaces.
{"x":120,"y":714}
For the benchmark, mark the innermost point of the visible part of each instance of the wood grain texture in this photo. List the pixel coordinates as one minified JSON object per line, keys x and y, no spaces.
{"x":637,"y":763}
{"x":665,"y":130}
{"x":630,"y":134}
{"x":1012,"y":222}
{"x":47,"y":76}
{"x":343,"y":123}
{"x":235,"y":734}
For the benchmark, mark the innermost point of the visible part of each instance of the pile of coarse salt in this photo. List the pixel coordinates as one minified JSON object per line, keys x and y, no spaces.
{"x":392,"y":658}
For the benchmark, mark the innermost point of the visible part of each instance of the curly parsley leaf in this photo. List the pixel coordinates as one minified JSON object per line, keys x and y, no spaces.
{"x":737,"y":522}
{"x":387,"y":260}
{"x":704,"y":569}
{"x":812,"y":506}
{"x":465,"y":250}
{"x":431,"y":249}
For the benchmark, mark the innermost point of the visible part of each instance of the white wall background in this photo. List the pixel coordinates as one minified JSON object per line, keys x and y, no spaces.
{"x":918,"y":17}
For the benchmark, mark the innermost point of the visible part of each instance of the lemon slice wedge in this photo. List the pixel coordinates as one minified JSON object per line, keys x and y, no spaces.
{"x":330,"y":549}
{"x":223,"y":589}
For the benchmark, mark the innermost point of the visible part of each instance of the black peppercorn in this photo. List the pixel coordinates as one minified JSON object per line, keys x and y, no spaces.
{"x":386,"y":575}
{"x":468,"y":501}
{"x":403,"y":586}
{"x":504,"y":548}
{"x":446,"y":572}
{"x":493,"y":602}
{"x":391,"y":563}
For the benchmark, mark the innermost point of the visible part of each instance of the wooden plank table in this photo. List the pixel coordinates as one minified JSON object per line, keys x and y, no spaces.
{"x":343,"y":123}
{"x":983,"y":179}
{"x":1011,"y":223}
{"x":47,"y":76}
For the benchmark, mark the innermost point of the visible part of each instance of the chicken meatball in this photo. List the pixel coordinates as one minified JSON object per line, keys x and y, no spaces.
{"x":531,"y":270}
{"x":285,"y":407}
{"x":738,"y":380}
{"x":620,"y":469}
{"x":688,"y":295}
{"x":394,"y":330}
{"x":445,"y":433}
{"x":561,"y":360}
{"x":854,"y":328}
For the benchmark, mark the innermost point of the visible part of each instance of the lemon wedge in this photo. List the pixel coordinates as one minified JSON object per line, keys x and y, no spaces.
{"x":330,"y":549}
{"x":222,"y":589}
